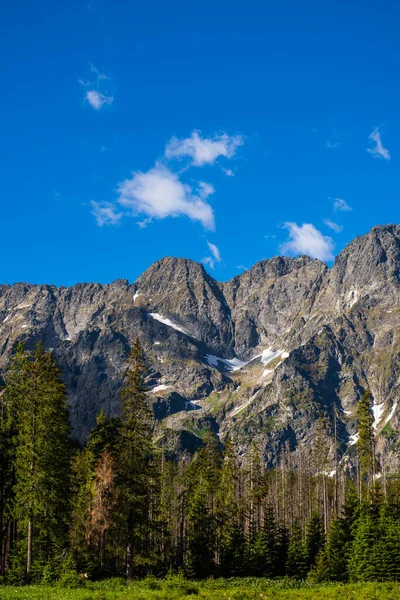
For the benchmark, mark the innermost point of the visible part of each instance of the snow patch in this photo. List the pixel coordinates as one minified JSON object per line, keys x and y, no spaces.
{"x":377,"y":410}
{"x":160,"y":388}
{"x":167,"y":322}
{"x":347,"y":412}
{"x":136,"y":295}
{"x":268,"y":355}
{"x":156,"y":343}
{"x":6,"y":319}
{"x":353,"y":297}
{"x":233,"y":364}
{"x":353,"y":439}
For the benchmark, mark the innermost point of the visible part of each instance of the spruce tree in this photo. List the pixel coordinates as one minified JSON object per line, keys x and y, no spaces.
{"x":230,"y":515}
{"x":38,"y":401}
{"x":202,"y":480}
{"x":340,"y":538}
{"x":296,"y":563}
{"x":7,"y":480}
{"x":363,"y":563}
{"x":365,"y":442}
{"x":134,"y":463}
{"x":314,"y":540}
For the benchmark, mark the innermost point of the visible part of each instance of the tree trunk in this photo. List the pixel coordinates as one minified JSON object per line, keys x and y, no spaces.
{"x":129,"y":561}
{"x":29,"y":550}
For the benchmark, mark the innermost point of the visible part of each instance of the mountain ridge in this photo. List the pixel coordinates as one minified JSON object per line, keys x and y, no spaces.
{"x":331,"y":333}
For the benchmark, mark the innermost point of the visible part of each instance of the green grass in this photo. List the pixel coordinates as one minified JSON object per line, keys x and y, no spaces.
{"x":176,"y":588}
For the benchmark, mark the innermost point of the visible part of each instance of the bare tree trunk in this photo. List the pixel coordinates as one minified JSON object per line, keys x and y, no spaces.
{"x":29,"y":549}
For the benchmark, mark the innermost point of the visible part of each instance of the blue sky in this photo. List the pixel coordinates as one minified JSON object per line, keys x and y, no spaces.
{"x":221,"y":131}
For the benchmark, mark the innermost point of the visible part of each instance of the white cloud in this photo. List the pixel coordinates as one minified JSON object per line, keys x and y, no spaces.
{"x":332,"y":145}
{"x":98,"y":100}
{"x":228,"y":172}
{"x":334,"y":226}
{"x":97,"y":88}
{"x":340,"y":204}
{"x":105,"y":213}
{"x":203,"y":151}
{"x":378,"y":150}
{"x":306,"y":239}
{"x":215,"y":256}
{"x":159,"y":193}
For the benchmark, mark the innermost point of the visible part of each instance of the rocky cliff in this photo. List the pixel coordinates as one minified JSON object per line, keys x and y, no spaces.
{"x":260,"y":357}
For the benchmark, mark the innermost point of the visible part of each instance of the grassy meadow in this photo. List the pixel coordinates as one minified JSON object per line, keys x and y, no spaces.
{"x":176,"y":588}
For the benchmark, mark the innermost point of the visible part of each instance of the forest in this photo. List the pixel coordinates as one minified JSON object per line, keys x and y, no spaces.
{"x":121,"y":509}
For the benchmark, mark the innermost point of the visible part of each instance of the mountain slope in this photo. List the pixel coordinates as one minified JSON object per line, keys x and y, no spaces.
{"x":259,"y":357}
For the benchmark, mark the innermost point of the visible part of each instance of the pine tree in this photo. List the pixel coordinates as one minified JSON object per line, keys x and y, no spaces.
{"x":363,"y":565}
{"x":314,"y":540}
{"x":7,"y":480}
{"x":230,"y":515}
{"x":365,"y":442}
{"x":83,"y":476}
{"x":296,"y":563}
{"x":202,"y":480}
{"x":340,"y":538}
{"x":270,"y":537}
{"x":134,"y":463}
{"x":38,"y":401}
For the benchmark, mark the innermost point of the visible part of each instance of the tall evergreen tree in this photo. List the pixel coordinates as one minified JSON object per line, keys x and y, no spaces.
{"x":7,"y":480}
{"x":296,"y":563}
{"x":365,"y":442}
{"x":340,"y":538}
{"x":134,"y":463}
{"x":314,"y":540}
{"x":230,"y":515}
{"x":202,"y":480}
{"x":38,"y":401}
{"x":363,"y":565}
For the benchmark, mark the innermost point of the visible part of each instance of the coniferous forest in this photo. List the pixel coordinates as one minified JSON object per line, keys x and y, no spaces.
{"x":120,"y":507}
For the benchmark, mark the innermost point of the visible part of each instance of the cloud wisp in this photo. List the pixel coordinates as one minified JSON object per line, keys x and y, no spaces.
{"x":340,"y":205}
{"x":215,"y":256}
{"x":97,"y":100}
{"x":306,"y":239}
{"x":201,"y":150}
{"x":159,"y":193}
{"x":97,"y":87}
{"x":105,"y":213}
{"x":378,"y":151}
{"x":334,"y":226}
{"x":332,"y":145}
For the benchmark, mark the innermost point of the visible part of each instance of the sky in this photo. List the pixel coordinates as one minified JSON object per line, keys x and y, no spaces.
{"x":227,"y":132}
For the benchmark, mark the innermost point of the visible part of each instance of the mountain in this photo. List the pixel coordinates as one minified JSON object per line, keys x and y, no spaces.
{"x":260,"y":357}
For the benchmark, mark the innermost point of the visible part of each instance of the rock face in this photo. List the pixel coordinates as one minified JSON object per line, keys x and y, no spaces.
{"x":260,"y":357}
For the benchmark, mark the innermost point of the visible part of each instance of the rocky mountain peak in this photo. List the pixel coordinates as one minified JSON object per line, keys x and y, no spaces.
{"x":258,"y":357}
